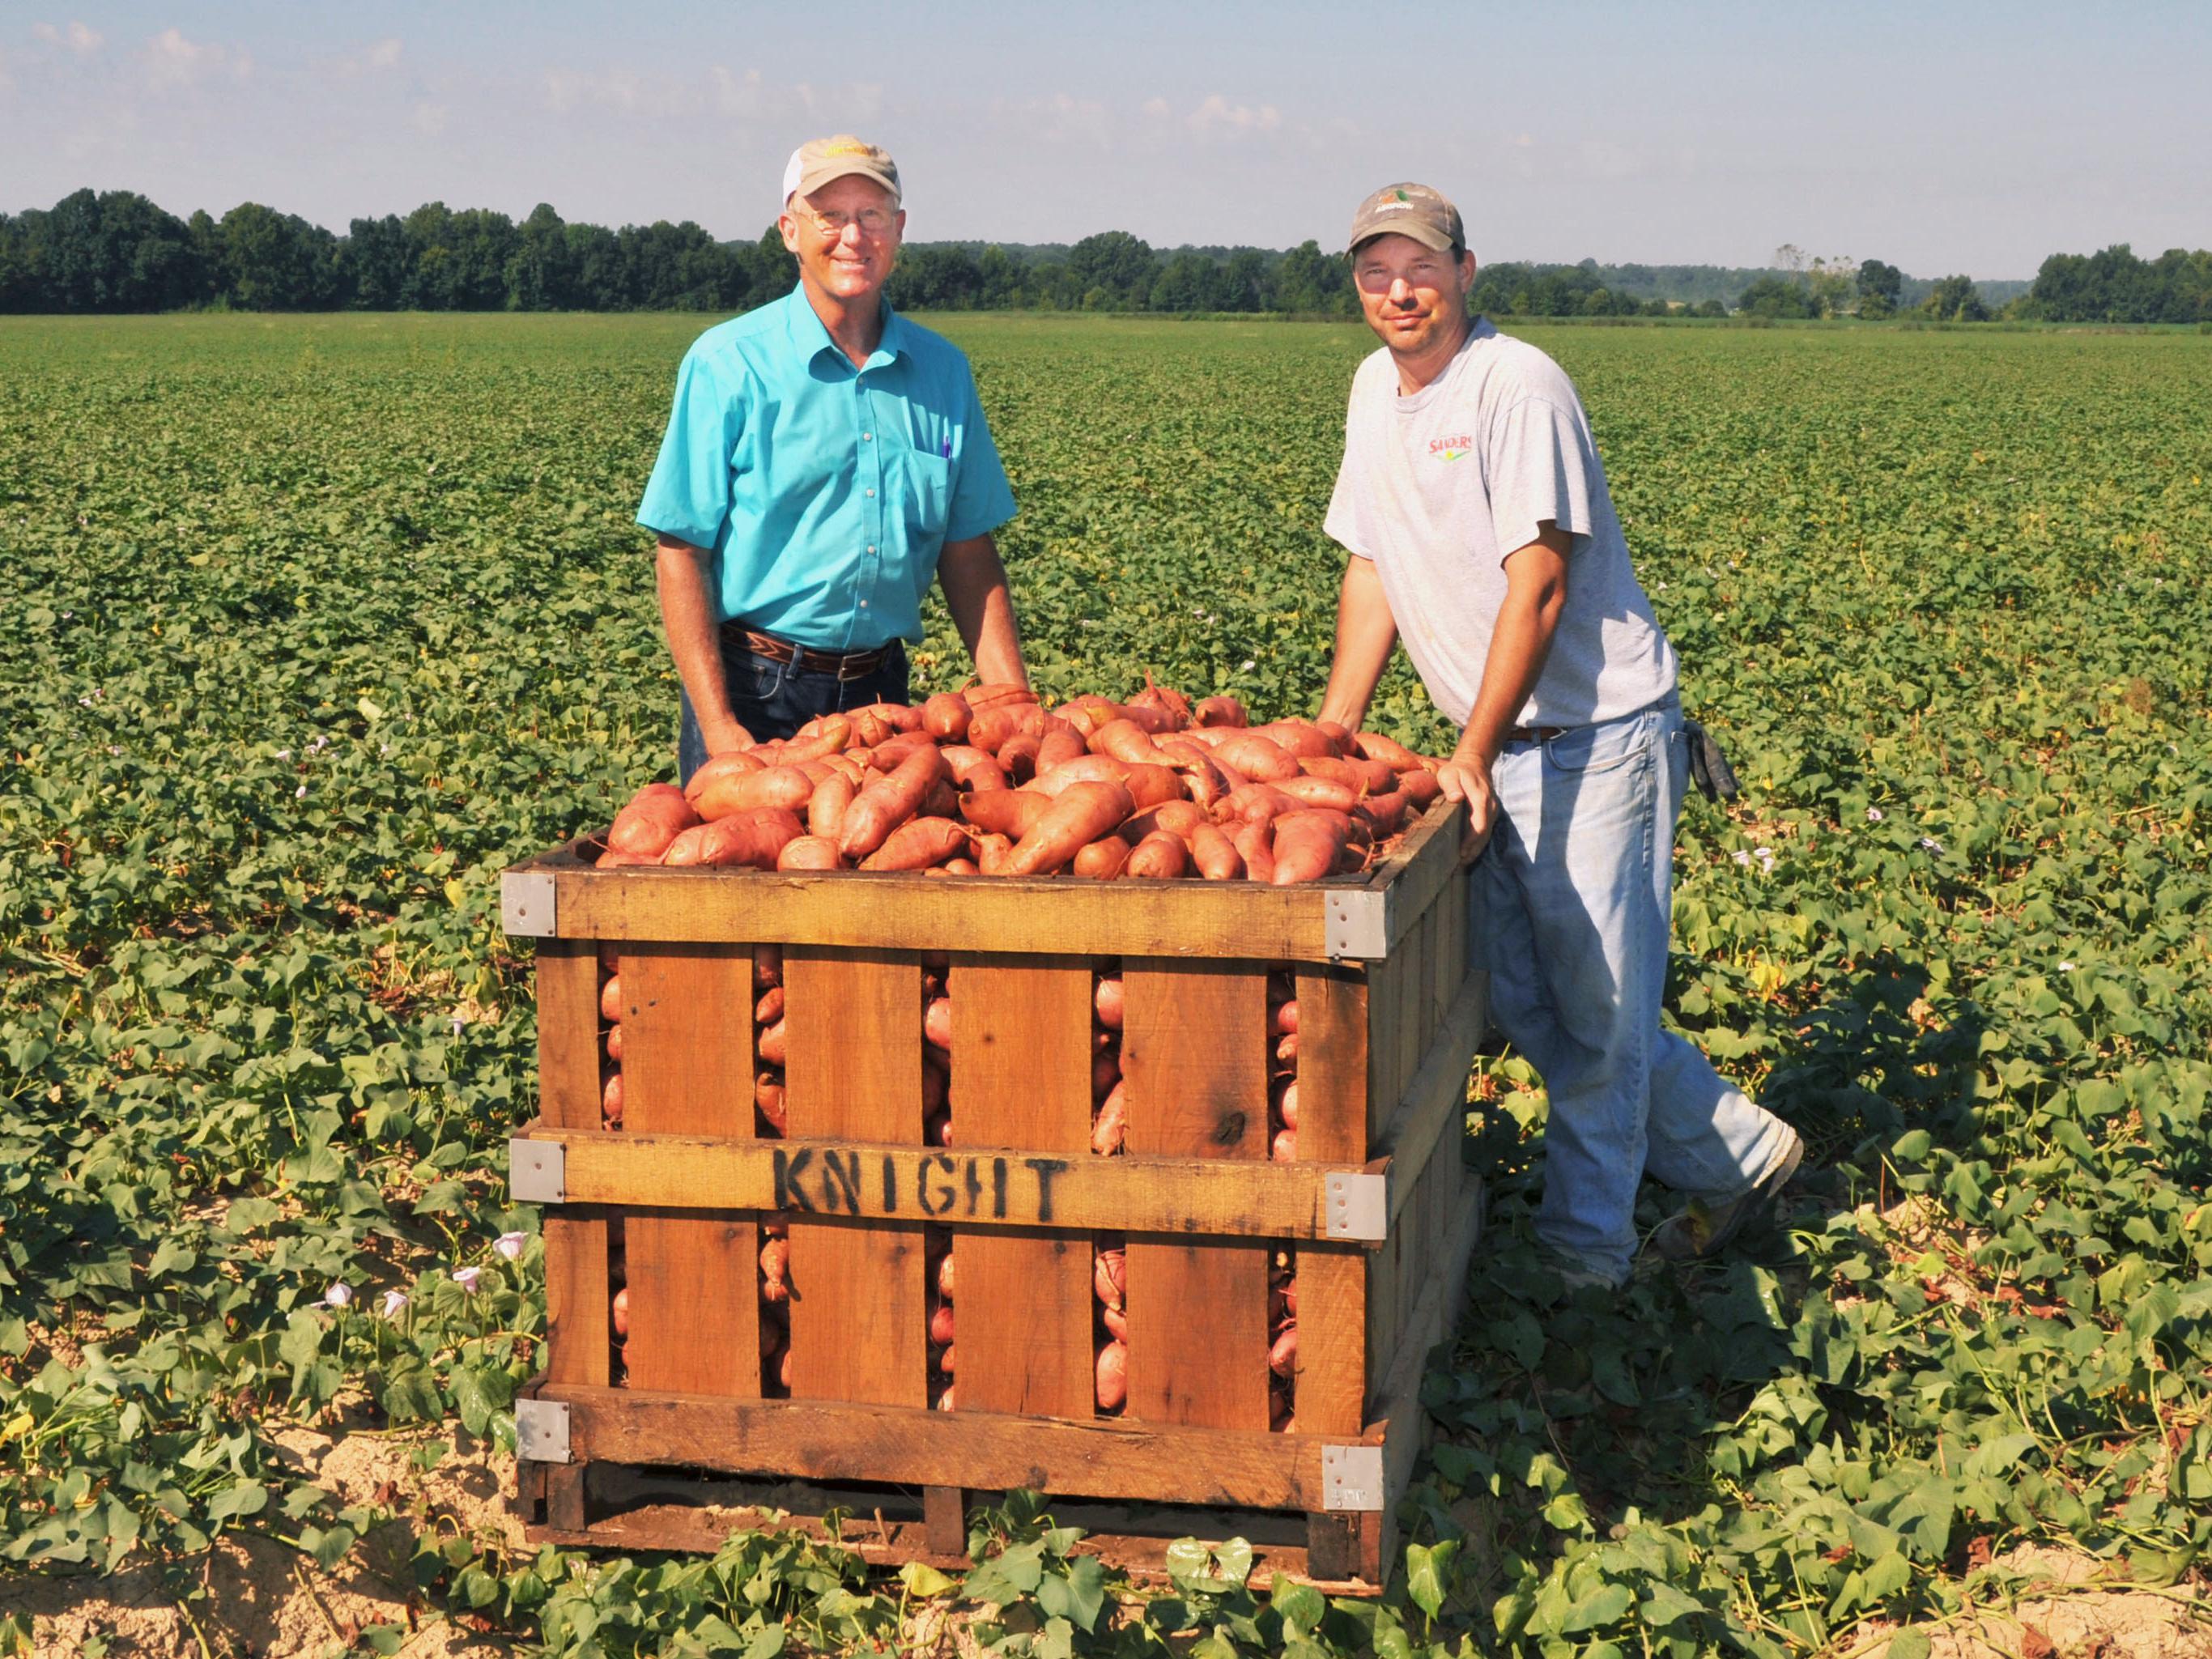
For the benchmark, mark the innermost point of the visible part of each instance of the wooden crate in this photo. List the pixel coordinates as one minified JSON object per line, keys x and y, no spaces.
{"x":1377,"y":1207}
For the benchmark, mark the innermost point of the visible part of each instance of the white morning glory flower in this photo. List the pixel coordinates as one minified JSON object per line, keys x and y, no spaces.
{"x":394,"y":1301}
{"x":338,"y":1295}
{"x":1874,"y":815}
{"x":510,"y":1245}
{"x":466,"y":1278}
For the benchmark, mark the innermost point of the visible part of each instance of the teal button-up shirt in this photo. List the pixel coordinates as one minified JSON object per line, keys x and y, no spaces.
{"x":826,"y":492}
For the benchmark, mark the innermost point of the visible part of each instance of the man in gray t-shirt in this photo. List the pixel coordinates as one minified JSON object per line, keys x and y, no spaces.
{"x":1482,"y":535}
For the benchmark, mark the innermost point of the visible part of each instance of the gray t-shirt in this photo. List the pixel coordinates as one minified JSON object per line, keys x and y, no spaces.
{"x":1439,"y":487}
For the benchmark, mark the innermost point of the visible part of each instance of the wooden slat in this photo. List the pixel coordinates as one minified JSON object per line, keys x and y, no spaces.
{"x":687,"y":1069}
{"x":909,"y":912}
{"x":1194,"y":1059}
{"x":577,"y":1293}
{"x":951,"y":1186}
{"x":859,"y":1326}
{"x":817,"y":1440}
{"x":1332,"y":1374}
{"x":1432,"y":1113}
{"x":568,"y":1033}
{"x":1021,"y":1079}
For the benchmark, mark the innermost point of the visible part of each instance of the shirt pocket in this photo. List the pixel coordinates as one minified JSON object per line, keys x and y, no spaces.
{"x":927,"y":483}
{"x":1599,"y":748}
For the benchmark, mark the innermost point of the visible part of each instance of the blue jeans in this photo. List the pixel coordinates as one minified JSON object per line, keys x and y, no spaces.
{"x":774,"y":699}
{"x":1571,"y":905}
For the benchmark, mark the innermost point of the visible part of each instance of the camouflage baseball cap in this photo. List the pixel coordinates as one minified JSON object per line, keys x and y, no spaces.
{"x":1414,"y":210}
{"x":819,"y":161}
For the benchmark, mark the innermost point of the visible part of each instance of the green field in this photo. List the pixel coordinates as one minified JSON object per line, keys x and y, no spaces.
{"x":321,"y":621}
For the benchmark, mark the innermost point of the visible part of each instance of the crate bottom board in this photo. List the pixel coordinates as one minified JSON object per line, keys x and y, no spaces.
{"x":627,"y":1509}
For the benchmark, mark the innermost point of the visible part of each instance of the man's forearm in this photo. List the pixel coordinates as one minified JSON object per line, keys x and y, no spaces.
{"x":687,"y":617}
{"x":1521,"y":640}
{"x":982,"y":607}
{"x":1366,"y":633}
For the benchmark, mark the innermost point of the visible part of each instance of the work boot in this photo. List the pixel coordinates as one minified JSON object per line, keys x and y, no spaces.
{"x":1703,"y":1230}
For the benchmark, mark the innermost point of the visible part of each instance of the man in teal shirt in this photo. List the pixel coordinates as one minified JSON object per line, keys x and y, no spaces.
{"x":825,"y":460}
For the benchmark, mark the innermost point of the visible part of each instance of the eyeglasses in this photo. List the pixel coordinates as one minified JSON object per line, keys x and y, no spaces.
{"x":873,"y":222}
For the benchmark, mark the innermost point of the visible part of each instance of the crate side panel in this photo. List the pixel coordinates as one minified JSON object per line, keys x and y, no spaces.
{"x":859,"y":1324}
{"x":577,"y":1291}
{"x":1194,"y":1061}
{"x":1331,"y":1073}
{"x":687,"y":1069}
{"x":1021,"y":1081}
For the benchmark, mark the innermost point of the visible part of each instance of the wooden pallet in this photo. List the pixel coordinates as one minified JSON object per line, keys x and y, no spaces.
{"x":1377,"y":1207}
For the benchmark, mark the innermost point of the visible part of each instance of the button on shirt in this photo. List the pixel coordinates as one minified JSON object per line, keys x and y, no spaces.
{"x":826,"y":492}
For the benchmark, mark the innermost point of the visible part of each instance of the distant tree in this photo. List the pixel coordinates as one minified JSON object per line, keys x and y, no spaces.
{"x":595,"y":267}
{"x":1776,"y":296}
{"x":1241,"y":282}
{"x":1881,"y":288}
{"x":1710,"y":308}
{"x":1833,"y":284}
{"x":1118,"y":265}
{"x":1185,"y":283}
{"x":1308,"y":280}
{"x":1955,"y":300}
{"x":275,"y":261}
{"x":541,"y":271}
{"x":940,"y":278}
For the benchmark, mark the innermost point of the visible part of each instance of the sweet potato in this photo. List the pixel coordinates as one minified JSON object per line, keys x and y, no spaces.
{"x":1059,"y":742}
{"x":656,"y":816}
{"x":1256,"y":803}
{"x":1215,"y":855}
{"x":615,"y":1044}
{"x":1420,"y":788}
{"x":1384,"y":814}
{"x":1077,"y":818}
{"x":992,"y":725}
{"x":1017,"y":755}
{"x":1087,"y":713}
{"x":945,"y":1277}
{"x":611,"y":1098}
{"x":1124,"y":740}
{"x":810,"y":852}
{"x":973,"y":770}
{"x":767,"y":966}
{"x":1300,"y":738}
{"x":1109,"y":1277}
{"x":1373,"y":745}
{"x":754,"y":838}
{"x":1116,"y":1323}
{"x":1113,"y":1380}
{"x":1221,"y":711}
{"x":1285,"y":1147}
{"x":945,"y":716}
{"x":768,"y":1096}
{"x":622,"y":861}
{"x":1361,"y":777}
{"x":962,"y":867}
{"x":1161,"y":856}
{"x":1107,"y":1001}
{"x":937,"y":1023}
{"x":1287,"y":1107}
{"x":1320,"y":792}
{"x":992,"y":852}
{"x":1177,"y":817}
{"x":992,"y":695}
{"x":1102,"y":859}
{"x":618,"y":1311}
{"x":1255,"y":840}
{"x":1206,"y":779}
{"x":1078,"y":768}
{"x":1283,"y":1018}
{"x":1261,"y":759}
{"x":886,"y":756}
{"x":768,"y":1008}
{"x":941,"y":1326}
{"x":1110,"y":1128}
{"x":775,"y":786}
{"x":773,"y":1043}
{"x":833,"y":733}
{"x":943,"y":801}
{"x":610,"y":1006}
{"x":733,"y":764}
{"x":1004,"y":811}
{"x":1105,"y":1072}
{"x":899,"y":716}
{"x":885,"y":803}
{"x":825,"y":807}
{"x":1308,"y":844}
{"x":1283,"y":1358}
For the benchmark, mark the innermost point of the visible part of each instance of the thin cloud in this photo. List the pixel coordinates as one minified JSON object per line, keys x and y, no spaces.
{"x":80,"y":38}
{"x":1217,"y":118}
{"x":175,"y":61}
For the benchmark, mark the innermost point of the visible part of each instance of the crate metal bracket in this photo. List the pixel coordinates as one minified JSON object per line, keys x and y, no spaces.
{"x":1350,"y":1477}
{"x":537,"y":1171}
{"x":527,"y":906}
{"x":1359,"y":923}
{"x":541,"y":1431}
{"x":1355,"y":1205}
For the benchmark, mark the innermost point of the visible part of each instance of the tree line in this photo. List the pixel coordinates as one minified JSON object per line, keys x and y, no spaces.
{"x":116,"y":251}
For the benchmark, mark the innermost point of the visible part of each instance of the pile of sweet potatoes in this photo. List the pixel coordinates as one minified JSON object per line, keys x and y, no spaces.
{"x":988,"y":781}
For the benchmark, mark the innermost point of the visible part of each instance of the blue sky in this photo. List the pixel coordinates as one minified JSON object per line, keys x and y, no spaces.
{"x":1968,"y":138}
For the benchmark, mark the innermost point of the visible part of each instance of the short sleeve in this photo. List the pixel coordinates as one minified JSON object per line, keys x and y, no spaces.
{"x":688,"y":496}
{"x":1541,"y":465}
{"x":981,"y":499}
{"x":1346,"y":524}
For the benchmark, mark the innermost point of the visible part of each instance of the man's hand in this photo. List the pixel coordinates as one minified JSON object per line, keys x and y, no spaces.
{"x":1467,"y":778}
{"x":725,"y":735}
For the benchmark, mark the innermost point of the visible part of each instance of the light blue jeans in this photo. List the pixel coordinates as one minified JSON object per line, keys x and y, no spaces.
{"x":1571,"y":905}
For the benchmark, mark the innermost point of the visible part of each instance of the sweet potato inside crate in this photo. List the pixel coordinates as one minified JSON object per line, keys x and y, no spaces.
{"x":837,"y":1382}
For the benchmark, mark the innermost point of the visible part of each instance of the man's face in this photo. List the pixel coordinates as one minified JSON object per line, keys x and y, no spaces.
{"x":1413,"y":296}
{"x":851,"y":258}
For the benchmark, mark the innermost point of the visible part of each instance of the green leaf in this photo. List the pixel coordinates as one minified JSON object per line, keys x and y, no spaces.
{"x":234,"y":1502}
{"x":924,"y":1581}
{"x":1428,"y":1574}
{"x":1908,"y":1644}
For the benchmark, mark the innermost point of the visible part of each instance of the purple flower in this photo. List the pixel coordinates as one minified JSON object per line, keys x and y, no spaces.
{"x":338,"y":1295}
{"x":466,"y":1278}
{"x":395,"y":1302}
{"x":510,"y":1245}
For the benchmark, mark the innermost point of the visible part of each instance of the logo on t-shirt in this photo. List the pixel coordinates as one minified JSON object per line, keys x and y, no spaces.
{"x":1451,"y":449}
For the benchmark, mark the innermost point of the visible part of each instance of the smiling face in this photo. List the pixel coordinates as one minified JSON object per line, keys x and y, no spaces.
{"x":848,"y":265}
{"x":1414,"y":297}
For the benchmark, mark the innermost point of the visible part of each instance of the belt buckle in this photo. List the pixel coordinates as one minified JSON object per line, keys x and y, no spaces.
{"x":845,"y":673}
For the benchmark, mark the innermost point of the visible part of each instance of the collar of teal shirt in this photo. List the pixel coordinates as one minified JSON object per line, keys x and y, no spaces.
{"x":811,"y":335}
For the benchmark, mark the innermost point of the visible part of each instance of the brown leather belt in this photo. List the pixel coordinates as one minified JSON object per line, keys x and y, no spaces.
{"x":852,"y":666}
{"x":1534,"y":733}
